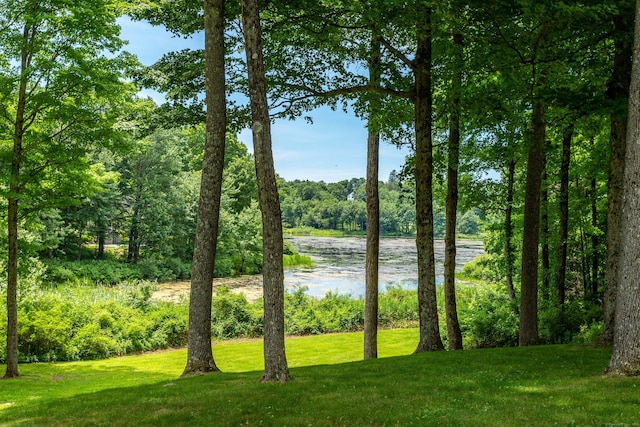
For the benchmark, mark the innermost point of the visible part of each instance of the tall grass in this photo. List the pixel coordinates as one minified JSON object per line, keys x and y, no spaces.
{"x":297,"y":261}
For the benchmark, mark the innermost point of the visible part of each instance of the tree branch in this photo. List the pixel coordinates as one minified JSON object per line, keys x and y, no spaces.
{"x":401,"y":56}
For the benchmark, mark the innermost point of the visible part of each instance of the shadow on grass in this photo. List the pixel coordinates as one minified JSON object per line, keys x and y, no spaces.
{"x":519,"y":386}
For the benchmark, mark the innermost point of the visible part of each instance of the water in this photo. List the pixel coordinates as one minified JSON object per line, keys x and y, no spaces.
{"x":340,"y":263}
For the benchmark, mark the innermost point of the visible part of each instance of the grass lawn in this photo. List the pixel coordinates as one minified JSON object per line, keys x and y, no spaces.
{"x":534,"y":386}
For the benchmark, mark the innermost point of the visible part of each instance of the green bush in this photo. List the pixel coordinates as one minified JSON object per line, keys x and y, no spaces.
{"x":341,"y":313}
{"x":112,"y":272}
{"x":297,"y":260}
{"x":80,"y":322}
{"x":105,"y":272}
{"x":169,"y":322}
{"x":560,"y":325}
{"x":589,"y":334}
{"x":480,"y":269}
{"x":232,"y":316}
{"x":487,"y":317}
{"x":398,"y":308}
{"x":44,"y":329}
{"x":93,"y":343}
{"x":300,"y":316}
{"x":332,"y":313}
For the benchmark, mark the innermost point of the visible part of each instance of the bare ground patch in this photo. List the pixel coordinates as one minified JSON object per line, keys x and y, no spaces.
{"x":250,"y":286}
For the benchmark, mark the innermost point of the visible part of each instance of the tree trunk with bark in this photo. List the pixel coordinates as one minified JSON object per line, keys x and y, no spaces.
{"x":451,"y":204}
{"x":626,"y":341}
{"x":199,"y":353}
{"x":101,"y":238}
{"x":509,"y":252}
{"x":275,"y":360}
{"x":563,"y":219}
{"x":373,"y":214}
{"x":430,"y":339}
{"x":595,"y":260}
{"x":133,"y":251}
{"x":617,"y":90}
{"x":545,"y":252}
{"x":528,"y":330}
{"x":15,"y":188}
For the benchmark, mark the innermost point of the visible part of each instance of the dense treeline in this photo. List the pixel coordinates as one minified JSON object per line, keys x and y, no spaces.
{"x":142,"y":206}
{"x":342,"y":206}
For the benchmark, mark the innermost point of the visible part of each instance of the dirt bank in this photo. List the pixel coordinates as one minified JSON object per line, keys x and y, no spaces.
{"x":250,"y":286}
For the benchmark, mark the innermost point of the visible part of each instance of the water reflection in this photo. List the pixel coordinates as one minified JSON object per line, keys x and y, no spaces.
{"x":339,"y":263}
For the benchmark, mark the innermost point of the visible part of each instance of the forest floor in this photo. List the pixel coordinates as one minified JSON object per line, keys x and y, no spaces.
{"x":534,"y":386}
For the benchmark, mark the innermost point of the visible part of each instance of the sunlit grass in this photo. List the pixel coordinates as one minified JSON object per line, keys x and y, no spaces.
{"x":534,"y":386}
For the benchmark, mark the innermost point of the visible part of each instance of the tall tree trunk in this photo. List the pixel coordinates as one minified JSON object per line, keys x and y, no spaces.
{"x":373,"y":214}
{"x":451,"y":205}
{"x":427,"y":308}
{"x":101,"y":238}
{"x":593,"y":292}
{"x":545,"y":256}
{"x":12,"y":212}
{"x":617,"y":90}
{"x":583,"y":257}
{"x":199,"y":353}
{"x":563,"y":220}
{"x":133,"y":252}
{"x":509,"y":255}
{"x":528,"y":331}
{"x":79,"y":245}
{"x":626,"y":342}
{"x":275,"y":360}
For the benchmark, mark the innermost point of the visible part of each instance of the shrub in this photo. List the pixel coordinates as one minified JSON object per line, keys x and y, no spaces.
{"x":233,"y":317}
{"x":93,"y":343}
{"x":300,"y":317}
{"x":488,"y":319}
{"x":169,"y":322}
{"x":80,"y":322}
{"x":589,"y":334}
{"x":45,"y":330}
{"x":481,"y":269}
{"x":332,"y":313}
{"x":398,"y":308}
{"x":560,"y":325}
{"x":341,"y":313}
{"x":105,"y":272}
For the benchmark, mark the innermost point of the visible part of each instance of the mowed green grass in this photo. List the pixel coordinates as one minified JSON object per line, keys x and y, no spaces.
{"x":534,"y":386}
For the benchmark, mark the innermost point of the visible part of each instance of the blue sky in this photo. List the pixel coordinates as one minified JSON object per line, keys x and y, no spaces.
{"x":331,"y":149}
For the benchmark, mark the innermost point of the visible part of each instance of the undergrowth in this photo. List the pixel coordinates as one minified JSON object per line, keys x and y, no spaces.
{"x":92,"y":322}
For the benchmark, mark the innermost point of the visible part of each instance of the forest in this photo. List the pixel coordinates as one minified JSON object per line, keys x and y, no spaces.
{"x":516,"y":114}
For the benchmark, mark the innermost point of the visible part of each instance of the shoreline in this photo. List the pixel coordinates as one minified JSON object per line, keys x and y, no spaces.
{"x":249,"y":285}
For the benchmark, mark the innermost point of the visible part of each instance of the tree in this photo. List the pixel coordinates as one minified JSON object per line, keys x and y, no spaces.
{"x":453,"y":144}
{"x":427,"y":308}
{"x":617,"y":92}
{"x":563,"y":220}
{"x":275,"y":361}
{"x":626,"y":341}
{"x":199,"y":354}
{"x":373,"y":213}
{"x":59,"y":94}
{"x":149,"y":177}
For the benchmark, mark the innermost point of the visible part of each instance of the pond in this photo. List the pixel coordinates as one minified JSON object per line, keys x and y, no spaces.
{"x":340,"y":263}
